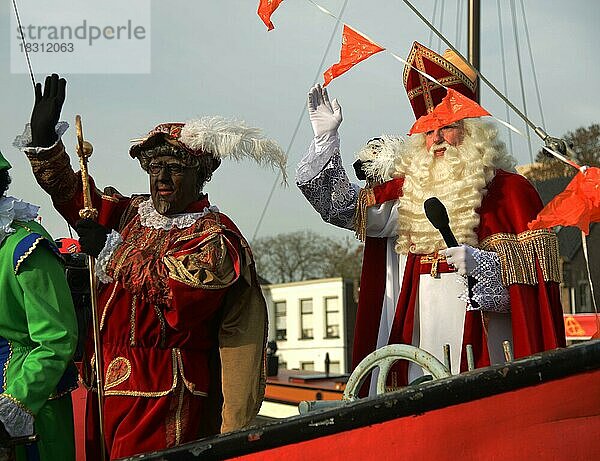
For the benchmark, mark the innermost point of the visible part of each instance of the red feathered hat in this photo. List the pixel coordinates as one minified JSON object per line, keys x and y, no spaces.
{"x":217,"y":137}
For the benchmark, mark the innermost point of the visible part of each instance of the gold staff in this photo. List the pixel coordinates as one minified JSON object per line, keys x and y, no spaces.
{"x":84,"y":150}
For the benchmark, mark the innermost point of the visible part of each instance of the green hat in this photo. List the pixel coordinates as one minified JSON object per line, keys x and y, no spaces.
{"x":4,"y":165}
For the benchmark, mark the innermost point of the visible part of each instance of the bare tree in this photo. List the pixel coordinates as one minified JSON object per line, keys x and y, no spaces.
{"x":305,"y":255}
{"x":344,"y":259}
{"x":586,"y":145}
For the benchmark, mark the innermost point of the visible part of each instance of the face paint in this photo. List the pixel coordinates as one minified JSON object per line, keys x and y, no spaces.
{"x":173,"y":185}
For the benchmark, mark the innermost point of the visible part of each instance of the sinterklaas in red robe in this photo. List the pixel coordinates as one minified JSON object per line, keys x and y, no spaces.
{"x":529,"y":262}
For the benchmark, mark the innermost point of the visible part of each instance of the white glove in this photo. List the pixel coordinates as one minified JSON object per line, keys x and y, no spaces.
{"x":325,"y":117}
{"x":461,"y":258}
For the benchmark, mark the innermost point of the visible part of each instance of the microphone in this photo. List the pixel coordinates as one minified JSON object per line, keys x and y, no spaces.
{"x":438,"y":216}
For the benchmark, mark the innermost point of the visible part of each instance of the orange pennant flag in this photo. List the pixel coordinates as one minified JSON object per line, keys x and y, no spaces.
{"x":452,"y":108}
{"x":355,"y":48}
{"x":578,"y":205}
{"x":265,"y":10}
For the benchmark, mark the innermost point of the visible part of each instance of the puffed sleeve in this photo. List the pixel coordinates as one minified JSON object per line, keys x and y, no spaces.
{"x":52,"y":327}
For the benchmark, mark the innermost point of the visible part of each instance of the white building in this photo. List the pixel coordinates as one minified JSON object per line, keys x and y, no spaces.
{"x":311,"y":318}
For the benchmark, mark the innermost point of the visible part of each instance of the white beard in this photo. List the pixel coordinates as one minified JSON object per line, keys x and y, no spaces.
{"x":458,"y":179}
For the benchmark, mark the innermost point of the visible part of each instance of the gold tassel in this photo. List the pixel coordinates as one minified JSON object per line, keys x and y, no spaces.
{"x":519,"y":252}
{"x":366,"y":198}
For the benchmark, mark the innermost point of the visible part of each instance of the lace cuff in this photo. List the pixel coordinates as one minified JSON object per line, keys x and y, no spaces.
{"x":23,"y":141}
{"x":332,"y":194}
{"x":318,"y":156}
{"x":488,"y":293}
{"x":113,"y":240}
{"x":17,"y":420}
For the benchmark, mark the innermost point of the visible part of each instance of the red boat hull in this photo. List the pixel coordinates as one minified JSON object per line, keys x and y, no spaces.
{"x":555,"y":420}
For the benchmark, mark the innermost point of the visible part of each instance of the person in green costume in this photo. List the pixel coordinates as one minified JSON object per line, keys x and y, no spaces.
{"x":38,"y":335}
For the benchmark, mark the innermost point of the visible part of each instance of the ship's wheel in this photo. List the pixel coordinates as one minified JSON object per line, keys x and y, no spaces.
{"x":383,"y":359}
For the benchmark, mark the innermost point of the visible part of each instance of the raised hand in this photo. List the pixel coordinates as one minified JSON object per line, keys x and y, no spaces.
{"x":46,"y":110}
{"x":325,"y":116}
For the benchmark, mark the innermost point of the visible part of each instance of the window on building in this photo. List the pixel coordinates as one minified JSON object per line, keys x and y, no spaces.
{"x":280,"y":320}
{"x":308,"y":366}
{"x":334,"y":367}
{"x":584,"y":297}
{"x":306,"y":319}
{"x":332,"y":318}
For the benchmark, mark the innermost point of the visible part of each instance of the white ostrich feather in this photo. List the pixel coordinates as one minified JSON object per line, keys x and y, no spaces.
{"x":230,"y":138}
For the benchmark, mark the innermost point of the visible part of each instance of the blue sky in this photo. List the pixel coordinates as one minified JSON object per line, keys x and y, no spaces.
{"x":217,"y":58}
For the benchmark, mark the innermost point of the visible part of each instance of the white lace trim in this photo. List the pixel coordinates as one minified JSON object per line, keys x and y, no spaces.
{"x":149,"y":217}
{"x":23,"y":141}
{"x":331,"y":193}
{"x":113,"y":240}
{"x":488,"y":291}
{"x":12,"y":209}
{"x":17,"y":421}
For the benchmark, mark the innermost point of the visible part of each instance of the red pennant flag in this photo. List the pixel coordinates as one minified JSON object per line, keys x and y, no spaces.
{"x":265,"y":10}
{"x":578,"y":205}
{"x":355,"y":48}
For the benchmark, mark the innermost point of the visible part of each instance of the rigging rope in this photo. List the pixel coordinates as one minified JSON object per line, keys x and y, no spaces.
{"x":481,"y":76}
{"x":303,"y":112}
{"x":537,"y":130}
{"x":14,"y":2}
{"x":535,"y":80}
{"x":504,"y":78}
{"x":519,"y":67}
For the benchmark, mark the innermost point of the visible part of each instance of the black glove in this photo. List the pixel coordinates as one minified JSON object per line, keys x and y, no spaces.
{"x":46,"y":111}
{"x":92,"y":236}
{"x":358,"y":169}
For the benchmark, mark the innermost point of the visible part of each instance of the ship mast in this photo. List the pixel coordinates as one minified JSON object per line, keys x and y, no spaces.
{"x":473,"y":36}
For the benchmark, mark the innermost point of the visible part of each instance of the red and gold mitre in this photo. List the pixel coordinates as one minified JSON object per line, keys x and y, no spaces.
{"x":432,"y":105}
{"x":449,"y":70}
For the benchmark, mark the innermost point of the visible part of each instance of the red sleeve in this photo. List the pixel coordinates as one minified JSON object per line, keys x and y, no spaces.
{"x":110,"y":208}
{"x":511,"y":202}
{"x":53,"y":172}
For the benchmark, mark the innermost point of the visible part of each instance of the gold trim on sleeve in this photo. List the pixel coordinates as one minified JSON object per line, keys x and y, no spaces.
{"x":519,"y":252}
{"x":27,"y":253}
{"x":18,"y":403}
{"x":366,"y":198}
{"x":7,"y":363}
